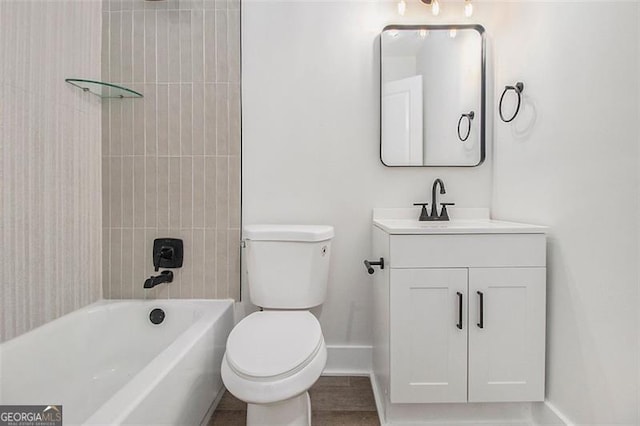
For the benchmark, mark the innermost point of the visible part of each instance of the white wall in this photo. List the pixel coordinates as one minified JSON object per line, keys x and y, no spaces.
{"x":310,"y":131}
{"x":576,"y":170}
{"x":49,"y":161}
{"x":311,"y":141}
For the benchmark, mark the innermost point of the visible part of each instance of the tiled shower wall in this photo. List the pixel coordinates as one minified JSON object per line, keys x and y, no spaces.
{"x":171,"y":161}
{"x":49,"y":161}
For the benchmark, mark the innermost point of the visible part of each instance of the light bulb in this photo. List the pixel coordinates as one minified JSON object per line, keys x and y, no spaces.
{"x":453,"y":33}
{"x":423,"y":33}
{"x":468,"y":8}
{"x":435,"y":7}
{"x":402,"y":7}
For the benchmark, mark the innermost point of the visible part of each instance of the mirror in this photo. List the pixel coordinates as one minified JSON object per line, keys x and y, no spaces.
{"x":432,"y":95}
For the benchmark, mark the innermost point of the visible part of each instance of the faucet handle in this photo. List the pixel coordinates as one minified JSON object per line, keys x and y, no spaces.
{"x":444,"y":214}
{"x":423,"y":213}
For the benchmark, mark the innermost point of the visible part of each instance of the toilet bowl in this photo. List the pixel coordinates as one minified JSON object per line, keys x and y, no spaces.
{"x":272,"y":359}
{"x":274,"y":356}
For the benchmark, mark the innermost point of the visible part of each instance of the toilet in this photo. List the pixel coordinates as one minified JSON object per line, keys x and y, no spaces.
{"x":274,"y":356}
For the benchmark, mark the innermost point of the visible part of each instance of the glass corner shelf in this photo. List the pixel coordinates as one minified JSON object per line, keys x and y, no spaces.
{"x":102,"y":89}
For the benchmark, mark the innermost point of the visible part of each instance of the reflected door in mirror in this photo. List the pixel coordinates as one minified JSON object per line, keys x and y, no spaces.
{"x":432,"y":106}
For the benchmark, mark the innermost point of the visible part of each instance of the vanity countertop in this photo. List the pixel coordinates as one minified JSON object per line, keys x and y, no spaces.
{"x":463,"y":221}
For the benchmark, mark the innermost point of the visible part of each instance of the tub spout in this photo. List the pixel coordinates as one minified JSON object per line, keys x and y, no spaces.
{"x":164,"y":277}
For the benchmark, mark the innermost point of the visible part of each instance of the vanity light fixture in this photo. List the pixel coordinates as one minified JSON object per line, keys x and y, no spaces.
{"x":435,"y":7}
{"x":402,"y":7}
{"x":468,"y":8}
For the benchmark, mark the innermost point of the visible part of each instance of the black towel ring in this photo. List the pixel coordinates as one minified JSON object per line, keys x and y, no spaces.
{"x":518,"y":88}
{"x":469,"y":117}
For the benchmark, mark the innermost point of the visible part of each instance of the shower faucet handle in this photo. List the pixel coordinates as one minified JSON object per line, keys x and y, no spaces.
{"x":167,"y":253}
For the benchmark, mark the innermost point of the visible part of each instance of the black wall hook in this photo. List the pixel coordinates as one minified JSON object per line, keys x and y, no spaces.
{"x":518,"y":88}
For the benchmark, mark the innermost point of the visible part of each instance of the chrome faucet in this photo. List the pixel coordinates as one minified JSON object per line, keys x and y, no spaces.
{"x":434,"y":216}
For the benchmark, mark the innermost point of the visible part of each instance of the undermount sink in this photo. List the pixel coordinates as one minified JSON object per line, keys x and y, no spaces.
{"x":463,"y":221}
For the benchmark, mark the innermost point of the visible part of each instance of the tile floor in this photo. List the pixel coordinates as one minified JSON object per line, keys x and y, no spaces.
{"x":335,"y":401}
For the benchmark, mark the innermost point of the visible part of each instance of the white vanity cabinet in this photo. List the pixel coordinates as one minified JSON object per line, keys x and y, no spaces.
{"x":463,"y":313}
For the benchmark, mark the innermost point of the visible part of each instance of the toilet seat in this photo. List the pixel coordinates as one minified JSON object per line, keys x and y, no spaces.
{"x":273,"y":355}
{"x":274,"y":344}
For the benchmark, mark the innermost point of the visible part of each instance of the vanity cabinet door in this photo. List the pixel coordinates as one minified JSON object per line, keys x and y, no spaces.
{"x":428,"y":330}
{"x":506,"y":334}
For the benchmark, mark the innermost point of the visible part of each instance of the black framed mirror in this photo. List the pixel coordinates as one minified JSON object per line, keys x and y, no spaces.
{"x":433,"y":95}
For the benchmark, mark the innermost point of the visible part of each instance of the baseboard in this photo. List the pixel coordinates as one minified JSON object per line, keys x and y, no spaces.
{"x":348,"y":360}
{"x":212,"y":408}
{"x":541,"y":414}
{"x":377,"y":399}
{"x":547,"y":414}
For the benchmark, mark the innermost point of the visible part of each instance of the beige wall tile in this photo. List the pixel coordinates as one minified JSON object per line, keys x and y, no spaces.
{"x":222,"y":60}
{"x":151,"y":192}
{"x":234,"y":193}
{"x":115,"y":131}
{"x":233,"y":243}
{"x":197,"y":44}
{"x":150,"y":39}
{"x":127,"y":252}
{"x":139,"y":192}
{"x":173,"y":34}
{"x":163,"y":118}
{"x":197,"y":147}
{"x":186,"y":53}
{"x":138,"y":49}
{"x":186,"y":192}
{"x":162,"y":46}
{"x":162,"y":182}
{"x":126,"y":43}
{"x":174,"y":192}
{"x":150,"y":121}
{"x":174,"y":119}
{"x":139,"y":257}
{"x":222,"y":119}
{"x":186,"y":119}
{"x":172,"y":159}
{"x":115,"y":191}
{"x":127,"y":126}
{"x":127,"y":192}
{"x":115,"y":64}
{"x":210,"y":119}
{"x":222,"y":193}
{"x":106,"y":191}
{"x":198,"y":192}
{"x":138,"y":124}
{"x":234,"y":120}
{"x":233,"y":46}
{"x":222,"y":264}
{"x":198,"y":260}
{"x":209,"y":44}
{"x":106,"y":127}
{"x":211,"y":264}
{"x":114,"y":286}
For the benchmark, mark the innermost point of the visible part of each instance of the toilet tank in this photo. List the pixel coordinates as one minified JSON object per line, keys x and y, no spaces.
{"x":288,"y":265}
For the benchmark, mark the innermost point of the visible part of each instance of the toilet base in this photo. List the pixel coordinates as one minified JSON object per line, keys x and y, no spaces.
{"x":295,"y":411}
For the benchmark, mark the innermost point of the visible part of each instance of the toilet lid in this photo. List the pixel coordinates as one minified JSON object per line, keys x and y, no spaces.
{"x":273,"y":343}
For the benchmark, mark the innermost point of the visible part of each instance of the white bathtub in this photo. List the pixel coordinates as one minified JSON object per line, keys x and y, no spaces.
{"x":108,"y":364}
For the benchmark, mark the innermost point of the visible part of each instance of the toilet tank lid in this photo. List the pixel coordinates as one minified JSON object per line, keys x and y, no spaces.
{"x":309,"y":233}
